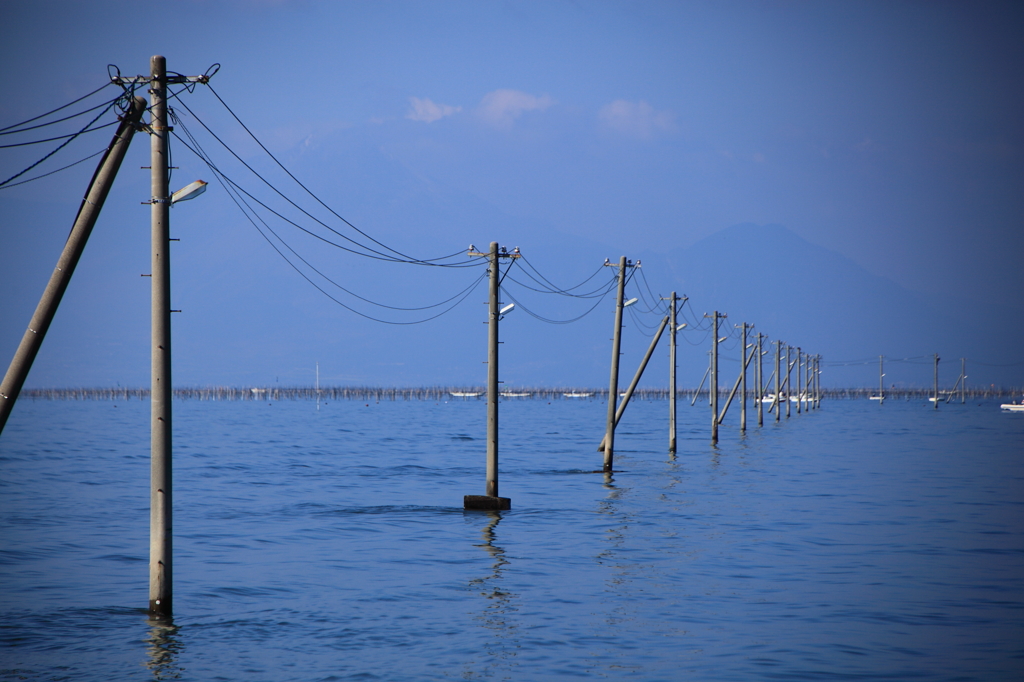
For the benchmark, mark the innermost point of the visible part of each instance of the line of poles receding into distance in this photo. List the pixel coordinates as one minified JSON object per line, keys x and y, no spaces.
{"x":794,"y":381}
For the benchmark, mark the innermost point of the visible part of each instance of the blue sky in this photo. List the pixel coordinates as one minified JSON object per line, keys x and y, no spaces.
{"x":887,"y":132}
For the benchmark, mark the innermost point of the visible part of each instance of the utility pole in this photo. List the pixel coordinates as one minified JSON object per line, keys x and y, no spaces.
{"x":160,"y":490}
{"x":807,"y":381}
{"x":936,"y":404}
{"x":613,"y":383}
{"x":799,"y":380}
{"x":817,"y":382}
{"x":813,"y":382}
{"x":881,"y":382}
{"x":490,"y":500}
{"x":160,"y":537}
{"x":672,"y":379}
{"x":88,"y":212}
{"x":759,"y":371}
{"x":673,"y":300}
{"x":818,"y":365}
{"x":789,"y":382}
{"x":743,"y":373}
{"x":963,"y":381}
{"x":713,"y":386}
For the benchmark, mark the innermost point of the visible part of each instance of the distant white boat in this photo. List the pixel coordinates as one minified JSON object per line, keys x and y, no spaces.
{"x":1012,"y":407}
{"x":510,"y":394}
{"x":578,"y":395}
{"x":769,"y":398}
{"x":877,"y":397}
{"x":464,"y":394}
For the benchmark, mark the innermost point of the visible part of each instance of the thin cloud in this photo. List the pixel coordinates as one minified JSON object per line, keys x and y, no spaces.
{"x":427,"y":111}
{"x":502,"y":107}
{"x":636,"y":119}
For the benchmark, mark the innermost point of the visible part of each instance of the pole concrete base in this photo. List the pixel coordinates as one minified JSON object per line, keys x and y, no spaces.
{"x":486,"y":502}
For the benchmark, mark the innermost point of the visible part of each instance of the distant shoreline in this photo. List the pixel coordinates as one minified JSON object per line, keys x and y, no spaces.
{"x":268,"y":393}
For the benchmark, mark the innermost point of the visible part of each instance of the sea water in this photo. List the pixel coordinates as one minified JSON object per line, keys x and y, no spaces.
{"x":856,"y":541}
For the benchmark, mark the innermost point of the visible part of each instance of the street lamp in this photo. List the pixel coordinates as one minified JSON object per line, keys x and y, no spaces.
{"x":189,"y":191}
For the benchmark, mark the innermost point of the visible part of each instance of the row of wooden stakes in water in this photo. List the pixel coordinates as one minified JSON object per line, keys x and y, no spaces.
{"x":440,"y":393}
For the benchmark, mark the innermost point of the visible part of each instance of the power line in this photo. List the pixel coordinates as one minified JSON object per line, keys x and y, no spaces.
{"x":62,"y":137}
{"x":54,"y":111}
{"x":205,"y":158}
{"x":39,"y":177}
{"x":378,"y":254}
{"x":61,"y":120}
{"x":548,"y":320}
{"x":596,"y":293}
{"x":69,"y":140}
{"x":234,"y":192}
{"x":409,"y":259}
{"x":554,"y":289}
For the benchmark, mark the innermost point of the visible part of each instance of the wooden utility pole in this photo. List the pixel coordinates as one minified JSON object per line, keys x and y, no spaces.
{"x":88,"y":212}
{"x":490,"y":500}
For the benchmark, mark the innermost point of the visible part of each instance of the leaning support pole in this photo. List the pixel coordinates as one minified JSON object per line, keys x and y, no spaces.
{"x":88,"y":212}
{"x":732,"y":394}
{"x":775,"y":403}
{"x":636,"y":378}
{"x":701,"y":386}
{"x":613,"y":384}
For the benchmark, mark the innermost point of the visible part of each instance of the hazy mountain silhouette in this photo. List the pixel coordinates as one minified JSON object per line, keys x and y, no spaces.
{"x":809,"y":296}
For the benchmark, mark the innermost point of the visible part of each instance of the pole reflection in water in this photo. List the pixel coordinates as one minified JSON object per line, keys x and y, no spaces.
{"x":163,"y":648}
{"x":500,"y":606}
{"x":622,"y":571}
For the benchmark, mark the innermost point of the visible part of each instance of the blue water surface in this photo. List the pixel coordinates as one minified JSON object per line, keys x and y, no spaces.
{"x":854,"y":542}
